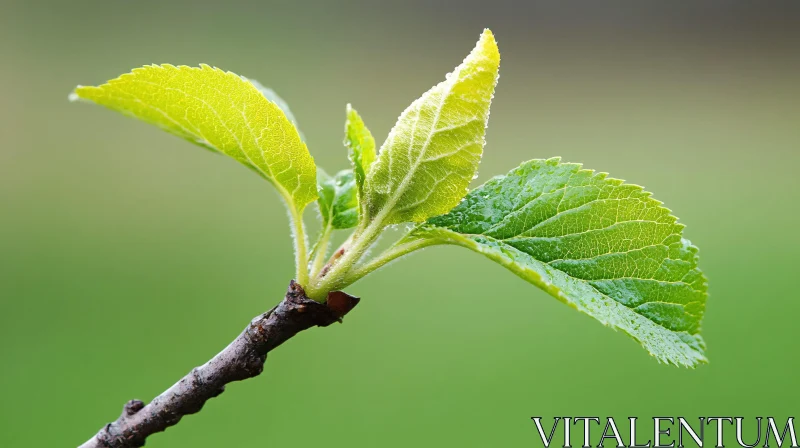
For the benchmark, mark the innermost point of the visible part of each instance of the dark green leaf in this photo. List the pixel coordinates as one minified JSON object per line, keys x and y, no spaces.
{"x":597,"y":244}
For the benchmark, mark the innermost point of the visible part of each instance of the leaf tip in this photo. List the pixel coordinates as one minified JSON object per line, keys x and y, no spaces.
{"x":487,"y":35}
{"x":81,"y":93}
{"x":487,"y":45}
{"x":351,"y":113}
{"x":73,"y":96}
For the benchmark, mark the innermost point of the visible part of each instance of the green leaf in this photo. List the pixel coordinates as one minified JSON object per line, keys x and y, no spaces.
{"x":338,"y":204}
{"x":273,"y":97}
{"x":432,"y":153}
{"x":220,"y":111}
{"x":597,"y":244}
{"x":361,"y":147}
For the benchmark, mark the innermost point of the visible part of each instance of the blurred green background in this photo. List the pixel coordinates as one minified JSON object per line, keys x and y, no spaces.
{"x":128,"y":256}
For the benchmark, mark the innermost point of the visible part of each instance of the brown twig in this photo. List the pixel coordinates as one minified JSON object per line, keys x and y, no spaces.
{"x":241,"y":359}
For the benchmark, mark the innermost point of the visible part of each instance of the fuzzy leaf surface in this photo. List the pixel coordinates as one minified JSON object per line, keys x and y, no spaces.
{"x":432,"y":153}
{"x":603,"y":247}
{"x":361,"y":151}
{"x":220,"y":111}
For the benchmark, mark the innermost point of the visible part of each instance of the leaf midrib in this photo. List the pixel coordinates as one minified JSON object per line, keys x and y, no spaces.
{"x":392,"y":201}
{"x":457,"y":241}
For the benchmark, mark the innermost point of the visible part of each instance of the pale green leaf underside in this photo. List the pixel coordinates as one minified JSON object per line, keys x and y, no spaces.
{"x":338,"y":204}
{"x":361,"y":151}
{"x":597,"y":244}
{"x":220,"y":111}
{"x":432,"y":153}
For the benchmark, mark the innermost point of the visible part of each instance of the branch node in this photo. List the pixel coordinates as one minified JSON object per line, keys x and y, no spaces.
{"x":197,"y":379}
{"x":132,"y":407}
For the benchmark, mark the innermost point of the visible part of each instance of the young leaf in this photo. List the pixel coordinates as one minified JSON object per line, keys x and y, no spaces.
{"x":597,"y":244}
{"x":220,"y":111}
{"x":338,"y":204}
{"x":361,"y":147}
{"x":432,"y":153}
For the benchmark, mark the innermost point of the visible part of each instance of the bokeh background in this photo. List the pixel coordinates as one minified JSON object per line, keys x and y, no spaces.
{"x":128,"y":256}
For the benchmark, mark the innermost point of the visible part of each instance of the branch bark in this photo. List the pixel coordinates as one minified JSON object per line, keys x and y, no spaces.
{"x":241,"y":359}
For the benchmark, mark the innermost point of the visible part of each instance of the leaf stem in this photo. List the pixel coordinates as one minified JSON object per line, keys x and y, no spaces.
{"x":300,"y":254}
{"x":339,"y":263}
{"x":385,"y":257}
{"x":321,"y":250}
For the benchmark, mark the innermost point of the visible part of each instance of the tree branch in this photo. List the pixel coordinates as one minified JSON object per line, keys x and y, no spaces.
{"x":241,"y":359}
